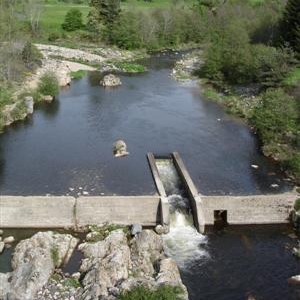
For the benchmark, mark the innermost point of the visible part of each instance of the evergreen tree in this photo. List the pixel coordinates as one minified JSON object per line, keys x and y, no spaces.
{"x":73,"y":20}
{"x":106,"y":13}
{"x":108,"y":10}
{"x":290,"y":25}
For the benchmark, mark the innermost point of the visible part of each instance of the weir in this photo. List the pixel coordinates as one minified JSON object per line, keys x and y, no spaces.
{"x":174,"y":167}
{"x":148,"y":210}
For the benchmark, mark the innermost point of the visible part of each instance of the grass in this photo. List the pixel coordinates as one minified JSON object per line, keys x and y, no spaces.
{"x":293,"y":78}
{"x":130,"y":67}
{"x":78,"y":74}
{"x":144,"y":293}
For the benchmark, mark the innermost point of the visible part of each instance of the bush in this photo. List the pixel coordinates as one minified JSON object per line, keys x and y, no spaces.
{"x":48,"y":84}
{"x":144,"y":293}
{"x":275,"y":116}
{"x":73,"y":20}
{"x":31,"y":56}
{"x":297,"y":204}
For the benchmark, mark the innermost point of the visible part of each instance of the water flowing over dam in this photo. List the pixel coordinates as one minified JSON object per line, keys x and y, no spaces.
{"x":183,"y":242}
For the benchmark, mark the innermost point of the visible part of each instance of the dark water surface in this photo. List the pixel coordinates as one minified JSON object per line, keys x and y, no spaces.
{"x":244,"y":261}
{"x":69,"y":143}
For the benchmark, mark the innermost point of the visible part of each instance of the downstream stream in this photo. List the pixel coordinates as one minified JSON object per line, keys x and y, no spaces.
{"x":66,"y":148}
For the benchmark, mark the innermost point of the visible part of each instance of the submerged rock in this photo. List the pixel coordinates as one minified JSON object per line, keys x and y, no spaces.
{"x":110,"y":80}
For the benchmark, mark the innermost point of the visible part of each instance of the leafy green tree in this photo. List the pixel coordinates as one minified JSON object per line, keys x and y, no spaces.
{"x":291,"y":24}
{"x":48,"y":84}
{"x":276,"y":115}
{"x":73,"y":20}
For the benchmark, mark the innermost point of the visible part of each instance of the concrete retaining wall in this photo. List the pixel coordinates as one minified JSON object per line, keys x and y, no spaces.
{"x":256,"y":209}
{"x":118,"y":209}
{"x":36,"y":212}
{"x":58,"y":212}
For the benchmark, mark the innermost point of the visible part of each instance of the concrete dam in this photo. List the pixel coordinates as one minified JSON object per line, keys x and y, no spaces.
{"x":148,"y":210}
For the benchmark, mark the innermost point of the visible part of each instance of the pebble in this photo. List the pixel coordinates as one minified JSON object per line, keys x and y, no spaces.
{"x":71,"y":189}
{"x":2,"y":245}
{"x":9,"y":240}
{"x":85,"y":193}
{"x":274,"y":185}
{"x":254,"y":166}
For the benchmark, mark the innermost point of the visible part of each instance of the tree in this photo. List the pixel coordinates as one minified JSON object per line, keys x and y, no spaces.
{"x":105,"y":12}
{"x":33,"y":10}
{"x":290,"y":25}
{"x":108,"y":10}
{"x":73,"y":20}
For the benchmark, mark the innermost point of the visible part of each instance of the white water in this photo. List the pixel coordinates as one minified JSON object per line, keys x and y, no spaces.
{"x":184,"y":243}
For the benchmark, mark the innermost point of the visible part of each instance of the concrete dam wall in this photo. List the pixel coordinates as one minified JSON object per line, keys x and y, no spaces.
{"x":148,"y":210}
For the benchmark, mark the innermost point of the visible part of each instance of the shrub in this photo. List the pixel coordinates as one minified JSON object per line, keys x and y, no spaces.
{"x":297,"y":204}
{"x":78,"y":74}
{"x":48,"y":84}
{"x":31,"y":56}
{"x":276,"y":115}
{"x":73,"y":20}
{"x":161,"y":293}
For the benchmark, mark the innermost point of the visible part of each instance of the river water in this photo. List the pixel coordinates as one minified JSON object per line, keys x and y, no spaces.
{"x":67,"y":145}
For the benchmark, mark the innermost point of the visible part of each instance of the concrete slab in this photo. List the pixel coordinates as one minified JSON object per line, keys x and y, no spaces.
{"x":36,"y":212}
{"x":118,"y":209}
{"x":254,"y":209}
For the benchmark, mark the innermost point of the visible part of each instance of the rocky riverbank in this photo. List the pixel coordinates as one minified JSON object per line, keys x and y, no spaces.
{"x":62,"y":61}
{"x":114,"y":261}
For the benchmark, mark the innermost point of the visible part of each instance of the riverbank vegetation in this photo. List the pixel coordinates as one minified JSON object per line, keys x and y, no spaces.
{"x":250,"y":51}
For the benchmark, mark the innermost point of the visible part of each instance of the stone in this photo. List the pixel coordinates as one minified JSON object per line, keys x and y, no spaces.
{"x":105,"y":264}
{"x":294,"y":280}
{"x":274,"y":185}
{"x":254,"y":166}
{"x":9,"y":240}
{"x":159,"y":229}
{"x":48,"y":98}
{"x":120,"y":148}
{"x":136,"y":228}
{"x":34,"y":261}
{"x":29,"y":104}
{"x":2,"y":245}
{"x":110,"y":80}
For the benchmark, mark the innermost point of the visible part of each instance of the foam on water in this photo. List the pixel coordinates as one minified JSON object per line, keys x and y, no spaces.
{"x":184,"y":243}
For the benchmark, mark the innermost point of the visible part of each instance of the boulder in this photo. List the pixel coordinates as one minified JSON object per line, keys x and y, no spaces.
{"x":294,"y":280}
{"x":105,"y":265}
{"x":120,"y":148}
{"x":147,"y":250}
{"x":159,"y":229}
{"x":34,"y":261}
{"x":29,"y":104}
{"x":110,"y":80}
{"x":136,"y":228}
{"x":48,"y":98}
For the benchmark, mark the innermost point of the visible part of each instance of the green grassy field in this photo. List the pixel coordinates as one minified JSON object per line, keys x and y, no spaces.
{"x":53,"y":13}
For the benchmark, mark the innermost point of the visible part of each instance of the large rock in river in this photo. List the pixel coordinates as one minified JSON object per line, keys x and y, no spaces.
{"x":110,"y":80}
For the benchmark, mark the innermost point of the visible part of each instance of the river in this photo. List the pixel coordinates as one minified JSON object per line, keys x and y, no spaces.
{"x":66,"y":148}
{"x":68,"y":144}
